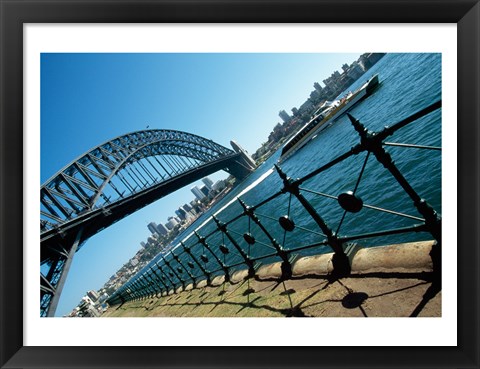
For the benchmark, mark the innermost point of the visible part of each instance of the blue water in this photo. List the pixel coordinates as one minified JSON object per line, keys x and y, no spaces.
{"x":408,"y":82}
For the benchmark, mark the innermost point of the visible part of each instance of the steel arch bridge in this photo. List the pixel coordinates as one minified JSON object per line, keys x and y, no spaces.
{"x":110,"y":182}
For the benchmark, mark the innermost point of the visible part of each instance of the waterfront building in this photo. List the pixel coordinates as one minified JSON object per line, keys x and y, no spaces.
{"x":368,"y":60}
{"x":314,"y":95}
{"x":143,"y":244}
{"x":204,"y":190}
{"x":152,"y":227}
{"x":208,"y":182}
{"x":219,"y":185}
{"x":93,"y":295}
{"x":86,"y":308}
{"x":171,"y":224}
{"x":162,"y":230}
{"x":173,"y":221}
{"x":284,"y":115}
{"x":198,"y":194}
{"x":306,"y":107}
{"x":181,"y":213}
{"x":355,"y":71}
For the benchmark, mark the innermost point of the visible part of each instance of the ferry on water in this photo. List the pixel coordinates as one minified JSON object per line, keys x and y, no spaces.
{"x":325,"y":116}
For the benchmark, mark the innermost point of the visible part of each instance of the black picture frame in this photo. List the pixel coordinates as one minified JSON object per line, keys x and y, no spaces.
{"x":15,"y":13}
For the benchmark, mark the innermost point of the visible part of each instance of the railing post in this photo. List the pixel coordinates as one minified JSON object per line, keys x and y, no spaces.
{"x":372,"y":141}
{"x":204,"y":271}
{"x":167,"y":263}
{"x":341,"y":264}
{"x":155,"y":280}
{"x":286,"y":266}
{"x":151,"y":283}
{"x":246,"y":258}
{"x":177,"y":259}
{"x":159,"y":278}
{"x":142,"y":287}
{"x":165,"y":276}
{"x":203,"y":241}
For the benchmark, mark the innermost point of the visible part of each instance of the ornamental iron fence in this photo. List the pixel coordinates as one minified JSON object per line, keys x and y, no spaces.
{"x":258,"y":233}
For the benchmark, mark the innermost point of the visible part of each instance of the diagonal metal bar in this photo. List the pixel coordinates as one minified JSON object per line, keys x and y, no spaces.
{"x":61,"y":282}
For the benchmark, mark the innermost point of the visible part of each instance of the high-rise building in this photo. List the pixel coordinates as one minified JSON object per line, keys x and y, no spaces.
{"x":204,"y":190}
{"x":314,"y":95}
{"x":172,"y":222}
{"x":182,"y":214}
{"x":152,"y":227}
{"x":198,"y":194}
{"x":143,"y":244}
{"x":162,"y":230}
{"x":92,"y":295}
{"x":208,"y":182}
{"x":284,"y":115}
{"x":219,"y":185}
{"x":355,"y":71}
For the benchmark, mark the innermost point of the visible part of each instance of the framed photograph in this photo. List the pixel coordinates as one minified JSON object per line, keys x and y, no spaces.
{"x":76,"y":74}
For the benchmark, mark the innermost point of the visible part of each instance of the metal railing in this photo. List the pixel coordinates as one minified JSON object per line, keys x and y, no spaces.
{"x":255,"y":235}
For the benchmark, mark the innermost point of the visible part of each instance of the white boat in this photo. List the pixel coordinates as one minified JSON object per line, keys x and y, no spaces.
{"x":325,"y":116}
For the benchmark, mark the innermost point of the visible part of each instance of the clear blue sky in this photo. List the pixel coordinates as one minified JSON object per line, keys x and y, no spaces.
{"x":87,"y":99}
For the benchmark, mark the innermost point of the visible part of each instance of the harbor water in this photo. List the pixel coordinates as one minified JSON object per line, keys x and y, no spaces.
{"x":408,"y":83}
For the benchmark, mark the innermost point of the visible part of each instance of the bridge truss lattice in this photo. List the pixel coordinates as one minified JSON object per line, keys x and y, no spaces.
{"x":112,"y":181}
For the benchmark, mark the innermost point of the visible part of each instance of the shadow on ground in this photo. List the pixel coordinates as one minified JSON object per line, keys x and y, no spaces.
{"x":375,"y":294}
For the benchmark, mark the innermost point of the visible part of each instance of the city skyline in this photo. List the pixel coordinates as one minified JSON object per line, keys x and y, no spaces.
{"x":83,"y":94}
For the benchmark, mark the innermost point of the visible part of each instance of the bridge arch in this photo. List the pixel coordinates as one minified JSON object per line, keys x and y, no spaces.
{"x":113,"y":180}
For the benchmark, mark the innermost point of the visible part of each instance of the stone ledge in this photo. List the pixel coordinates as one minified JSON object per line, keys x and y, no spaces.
{"x":414,"y":255}
{"x":405,"y":257}
{"x":201,"y":284}
{"x":239,"y":276}
{"x":218,"y":280}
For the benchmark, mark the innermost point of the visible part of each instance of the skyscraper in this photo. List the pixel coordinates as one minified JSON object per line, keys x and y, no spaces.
{"x":172,"y":222}
{"x":181,"y":213}
{"x":152,"y":227}
{"x":196,"y":191}
{"x":208,"y":182}
{"x":162,"y":230}
{"x":204,"y":189}
{"x":284,"y":115}
{"x":317,"y":87}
